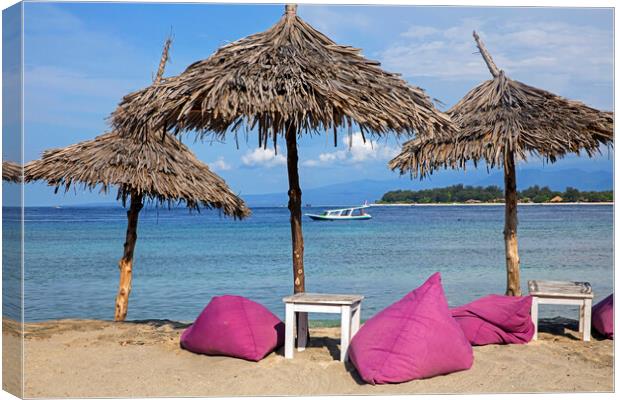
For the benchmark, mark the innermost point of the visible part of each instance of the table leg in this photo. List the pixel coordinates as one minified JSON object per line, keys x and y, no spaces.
{"x":581,"y":317}
{"x":345,"y":332}
{"x":302,"y":331}
{"x":355,"y":322}
{"x":535,"y":316}
{"x":587,"y":319}
{"x":289,"y":336}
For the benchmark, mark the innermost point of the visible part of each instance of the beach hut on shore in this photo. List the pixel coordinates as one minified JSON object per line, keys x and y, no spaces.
{"x":288,"y":80}
{"x":11,"y":172}
{"x":161,"y":170}
{"x":500,"y":122}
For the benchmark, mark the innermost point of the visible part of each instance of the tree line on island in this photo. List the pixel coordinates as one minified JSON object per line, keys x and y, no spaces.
{"x":494,"y":194}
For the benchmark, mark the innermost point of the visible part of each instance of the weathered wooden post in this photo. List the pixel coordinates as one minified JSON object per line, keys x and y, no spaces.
{"x":125,"y":265}
{"x":513,"y":276}
{"x":294,"y":206}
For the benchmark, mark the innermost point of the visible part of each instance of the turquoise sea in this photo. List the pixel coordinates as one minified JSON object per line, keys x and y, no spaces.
{"x":183,"y":259}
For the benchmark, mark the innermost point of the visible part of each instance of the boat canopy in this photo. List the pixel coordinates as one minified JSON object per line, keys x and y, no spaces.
{"x":344,"y":212}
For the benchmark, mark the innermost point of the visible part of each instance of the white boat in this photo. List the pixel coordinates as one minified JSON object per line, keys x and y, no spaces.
{"x":342,"y":214}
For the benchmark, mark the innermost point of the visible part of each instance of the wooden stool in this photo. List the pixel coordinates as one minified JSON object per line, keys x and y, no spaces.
{"x":563,"y":292}
{"x":349,"y":306}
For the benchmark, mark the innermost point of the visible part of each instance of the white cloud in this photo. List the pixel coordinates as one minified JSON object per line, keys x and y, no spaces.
{"x":357,"y":151}
{"x":261,"y":157}
{"x":220,"y":165}
{"x":535,"y":49}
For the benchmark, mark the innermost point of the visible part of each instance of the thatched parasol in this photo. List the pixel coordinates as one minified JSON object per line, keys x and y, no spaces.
{"x":11,"y":172}
{"x":162,"y":171}
{"x":502,"y":120}
{"x":284,"y":81}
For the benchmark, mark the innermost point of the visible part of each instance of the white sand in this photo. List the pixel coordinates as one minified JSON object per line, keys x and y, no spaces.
{"x":73,"y":358}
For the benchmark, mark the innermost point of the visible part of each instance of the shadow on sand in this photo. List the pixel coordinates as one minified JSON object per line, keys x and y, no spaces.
{"x":158,"y":323}
{"x":564,"y":327}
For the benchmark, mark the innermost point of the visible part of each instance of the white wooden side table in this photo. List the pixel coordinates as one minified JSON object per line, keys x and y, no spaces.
{"x":563,"y":292}
{"x":349,"y":306}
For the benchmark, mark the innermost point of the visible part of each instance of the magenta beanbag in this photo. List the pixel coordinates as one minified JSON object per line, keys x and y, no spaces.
{"x":413,"y":338}
{"x":234,"y":326}
{"x":603,"y":317}
{"x":496,"y":319}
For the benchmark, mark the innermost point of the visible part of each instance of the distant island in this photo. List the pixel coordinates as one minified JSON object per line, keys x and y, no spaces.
{"x":493,"y":194}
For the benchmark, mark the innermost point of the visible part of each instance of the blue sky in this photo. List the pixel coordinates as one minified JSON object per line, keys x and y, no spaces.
{"x":80,"y":59}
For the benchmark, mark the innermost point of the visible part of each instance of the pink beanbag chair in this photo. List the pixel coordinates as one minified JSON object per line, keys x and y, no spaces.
{"x":234,"y":326}
{"x":413,"y":338}
{"x":603,"y":317}
{"x":496,"y":319}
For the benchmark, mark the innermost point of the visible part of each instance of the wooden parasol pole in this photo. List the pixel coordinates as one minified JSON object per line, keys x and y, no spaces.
{"x":290,"y":9}
{"x":294,"y":193}
{"x":126,"y":263}
{"x":486,"y":56}
{"x":294,"y":206}
{"x":513,"y":278}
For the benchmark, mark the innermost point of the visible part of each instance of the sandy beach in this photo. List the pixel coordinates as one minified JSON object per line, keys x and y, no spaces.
{"x":87,"y":358}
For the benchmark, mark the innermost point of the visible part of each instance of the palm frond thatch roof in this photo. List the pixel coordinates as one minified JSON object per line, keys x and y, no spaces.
{"x":161,"y":170}
{"x":421,"y":156}
{"x":11,"y":172}
{"x":502,"y":116}
{"x":290,"y":73}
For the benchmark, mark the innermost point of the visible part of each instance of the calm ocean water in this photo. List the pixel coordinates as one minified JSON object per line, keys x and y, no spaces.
{"x":184,"y":259}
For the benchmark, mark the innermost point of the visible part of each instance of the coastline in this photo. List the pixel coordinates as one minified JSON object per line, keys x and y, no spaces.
{"x":602,"y":203}
{"x":65,"y":358}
